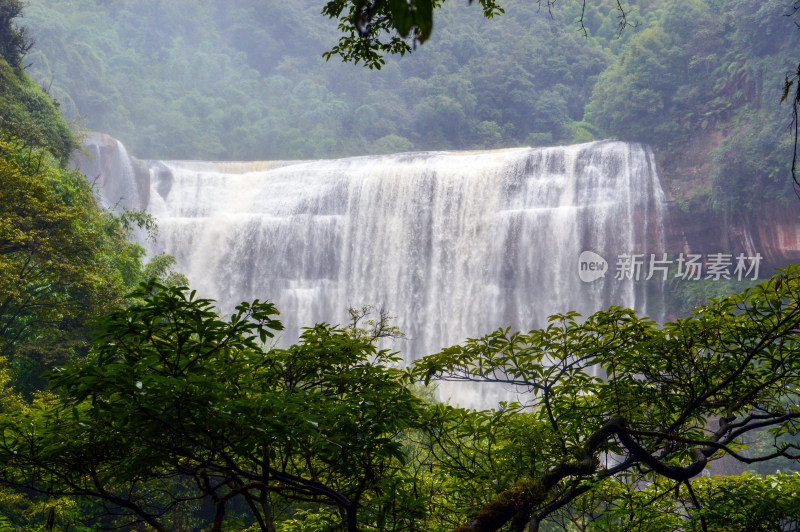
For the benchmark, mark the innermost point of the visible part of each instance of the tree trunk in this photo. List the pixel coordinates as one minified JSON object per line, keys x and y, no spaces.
{"x":219,"y":517}
{"x":267,"y":506}
{"x":352,"y":518}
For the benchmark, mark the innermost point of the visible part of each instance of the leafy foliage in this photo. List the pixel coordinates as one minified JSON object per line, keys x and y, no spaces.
{"x":725,"y":503}
{"x":177,"y":410}
{"x":175,"y":405}
{"x":372,"y":28}
{"x":673,"y":397}
{"x":62,"y":261}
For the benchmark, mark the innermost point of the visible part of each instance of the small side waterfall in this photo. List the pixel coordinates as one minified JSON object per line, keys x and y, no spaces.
{"x":454,"y":244}
{"x":120,"y":180}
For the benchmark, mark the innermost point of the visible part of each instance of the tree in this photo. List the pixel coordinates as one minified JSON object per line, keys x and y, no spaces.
{"x":14,"y":42}
{"x":671,"y":399}
{"x":791,"y":80}
{"x":176,"y":407}
{"x":372,"y":28}
{"x":63,"y":260}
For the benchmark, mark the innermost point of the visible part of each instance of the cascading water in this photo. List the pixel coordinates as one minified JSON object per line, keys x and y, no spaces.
{"x":454,"y":244}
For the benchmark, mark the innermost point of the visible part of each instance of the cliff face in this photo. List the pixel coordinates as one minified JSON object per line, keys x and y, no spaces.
{"x":772,"y":229}
{"x":773,"y":232}
{"x":776,"y":232}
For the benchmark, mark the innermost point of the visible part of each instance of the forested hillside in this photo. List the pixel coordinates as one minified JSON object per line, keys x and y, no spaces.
{"x":700,"y":80}
{"x":246,"y":80}
{"x":703,"y":86}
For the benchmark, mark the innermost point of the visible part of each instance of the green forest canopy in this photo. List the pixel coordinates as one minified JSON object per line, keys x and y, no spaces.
{"x":246,"y":80}
{"x":182,"y":419}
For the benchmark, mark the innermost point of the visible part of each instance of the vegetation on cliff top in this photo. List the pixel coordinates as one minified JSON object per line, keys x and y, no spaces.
{"x":246,"y":80}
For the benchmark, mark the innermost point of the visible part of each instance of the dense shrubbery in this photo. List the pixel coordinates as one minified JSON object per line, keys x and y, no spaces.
{"x":27,"y":113}
{"x":179,"y":418}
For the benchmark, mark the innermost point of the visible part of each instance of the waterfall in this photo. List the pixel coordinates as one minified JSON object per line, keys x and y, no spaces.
{"x":119,"y":180}
{"x":453,"y":244}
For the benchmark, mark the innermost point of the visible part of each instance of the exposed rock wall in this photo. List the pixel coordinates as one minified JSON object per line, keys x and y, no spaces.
{"x":773,"y":232}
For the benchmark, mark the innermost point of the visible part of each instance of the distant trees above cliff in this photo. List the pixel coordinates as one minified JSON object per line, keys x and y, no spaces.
{"x":246,"y":80}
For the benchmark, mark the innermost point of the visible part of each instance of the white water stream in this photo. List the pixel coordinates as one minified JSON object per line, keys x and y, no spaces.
{"x":454,"y":244}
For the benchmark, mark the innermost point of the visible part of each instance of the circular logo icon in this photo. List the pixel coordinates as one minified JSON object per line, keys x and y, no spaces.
{"x":591,"y":266}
